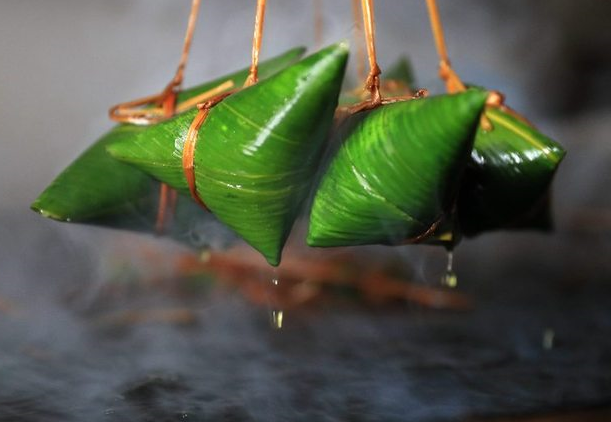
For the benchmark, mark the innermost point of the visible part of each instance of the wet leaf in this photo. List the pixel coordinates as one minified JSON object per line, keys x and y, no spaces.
{"x":397,"y":172}
{"x":98,"y":189}
{"x":508,"y":178}
{"x":256,"y":152}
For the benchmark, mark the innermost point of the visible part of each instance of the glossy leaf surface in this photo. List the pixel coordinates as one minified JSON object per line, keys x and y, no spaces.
{"x":98,"y":189}
{"x":508,"y":177}
{"x":397,"y":171}
{"x":256,"y":152}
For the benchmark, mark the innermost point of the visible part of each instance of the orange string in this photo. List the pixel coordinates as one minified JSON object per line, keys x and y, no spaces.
{"x":446,"y":73}
{"x":178,"y":77}
{"x":253,"y":75}
{"x":188,"y":151}
{"x":131,"y":111}
{"x":372,"y":83}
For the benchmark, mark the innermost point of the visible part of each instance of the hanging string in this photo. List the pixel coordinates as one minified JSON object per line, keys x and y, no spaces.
{"x":133,"y":111}
{"x":446,"y":73}
{"x":372,"y":83}
{"x":184,"y":57}
{"x":452,"y":80}
{"x":130,"y":112}
{"x":253,"y":75}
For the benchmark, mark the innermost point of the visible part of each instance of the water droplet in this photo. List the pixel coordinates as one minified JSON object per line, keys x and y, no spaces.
{"x":548,"y":339}
{"x":277,"y":317}
{"x":449,"y":278}
{"x":205,"y":254}
{"x":275,"y":277}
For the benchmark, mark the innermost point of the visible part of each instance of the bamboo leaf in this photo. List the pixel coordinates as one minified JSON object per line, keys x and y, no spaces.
{"x":397,"y":172}
{"x":507,"y":181}
{"x":257,"y":150}
{"x":98,"y":189}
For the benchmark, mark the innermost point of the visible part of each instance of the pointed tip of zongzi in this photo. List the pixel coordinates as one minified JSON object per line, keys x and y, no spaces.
{"x":274,"y":259}
{"x":343,"y":45}
{"x":313,"y":238}
{"x":342,"y":48}
{"x":46,"y":211}
{"x":296,"y":52}
{"x":477,"y":97}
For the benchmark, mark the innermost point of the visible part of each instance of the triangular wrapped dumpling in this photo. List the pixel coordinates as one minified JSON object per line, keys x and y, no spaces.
{"x":507,"y":180}
{"x":257,"y":150}
{"x":98,"y":189}
{"x":397,"y":172}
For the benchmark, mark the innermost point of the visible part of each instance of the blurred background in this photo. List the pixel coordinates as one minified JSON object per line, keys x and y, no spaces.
{"x":71,"y":347}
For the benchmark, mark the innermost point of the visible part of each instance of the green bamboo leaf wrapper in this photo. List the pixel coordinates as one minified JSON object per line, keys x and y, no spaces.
{"x":508,"y":178}
{"x":98,"y":189}
{"x":397,"y":171}
{"x":256,"y":152}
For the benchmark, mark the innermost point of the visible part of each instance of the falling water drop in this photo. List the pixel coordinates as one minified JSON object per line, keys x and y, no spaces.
{"x":449,"y":278}
{"x":548,"y":339}
{"x":205,"y":254}
{"x":276,"y":315}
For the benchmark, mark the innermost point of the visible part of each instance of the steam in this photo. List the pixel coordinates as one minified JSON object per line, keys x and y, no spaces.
{"x":60,"y":364}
